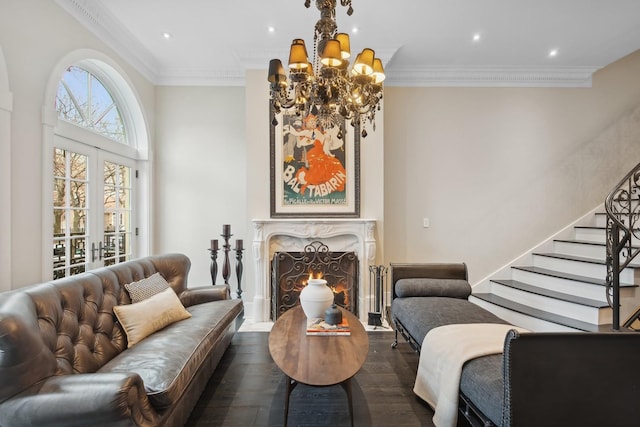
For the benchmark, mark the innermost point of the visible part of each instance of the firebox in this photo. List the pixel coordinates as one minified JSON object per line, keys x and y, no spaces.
{"x":291,"y":270}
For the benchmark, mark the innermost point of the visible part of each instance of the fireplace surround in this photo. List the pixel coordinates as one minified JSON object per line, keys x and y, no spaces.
{"x":291,"y":235}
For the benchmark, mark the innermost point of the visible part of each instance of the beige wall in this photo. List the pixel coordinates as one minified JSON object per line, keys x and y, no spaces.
{"x":497,"y":170}
{"x":200,"y":173}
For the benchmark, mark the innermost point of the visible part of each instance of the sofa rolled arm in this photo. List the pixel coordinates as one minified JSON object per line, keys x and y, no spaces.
{"x":109,"y":399}
{"x":202,"y":294}
{"x":579,"y":379}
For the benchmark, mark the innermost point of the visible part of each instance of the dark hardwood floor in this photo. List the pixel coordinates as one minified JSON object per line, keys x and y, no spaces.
{"x":248,"y":389}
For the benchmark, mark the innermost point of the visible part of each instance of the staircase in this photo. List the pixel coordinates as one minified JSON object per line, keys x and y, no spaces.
{"x":561,"y":285}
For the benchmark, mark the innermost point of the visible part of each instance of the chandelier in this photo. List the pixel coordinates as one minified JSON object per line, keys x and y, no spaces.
{"x":327,"y":87}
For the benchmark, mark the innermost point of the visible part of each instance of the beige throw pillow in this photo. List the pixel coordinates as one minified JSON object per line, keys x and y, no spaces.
{"x":147,"y":287}
{"x":142,"y":319}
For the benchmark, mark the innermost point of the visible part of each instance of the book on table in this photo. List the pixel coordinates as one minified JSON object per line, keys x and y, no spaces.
{"x":321,"y":328}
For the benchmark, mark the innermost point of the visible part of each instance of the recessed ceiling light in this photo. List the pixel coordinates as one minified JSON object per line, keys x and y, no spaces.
{"x":354,"y":30}
{"x":271,"y":29}
{"x":476,"y":37}
{"x":553,"y":53}
{"x":167,"y":35}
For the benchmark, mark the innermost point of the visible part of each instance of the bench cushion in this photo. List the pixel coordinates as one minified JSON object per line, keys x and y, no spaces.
{"x":419,"y":315}
{"x":427,"y":287}
{"x":482,"y":382}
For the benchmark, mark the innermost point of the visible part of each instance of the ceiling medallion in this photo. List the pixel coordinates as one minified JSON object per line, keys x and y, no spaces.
{"x":328,"y":87}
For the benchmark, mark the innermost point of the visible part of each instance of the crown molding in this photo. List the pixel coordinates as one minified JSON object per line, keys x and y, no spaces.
{"x":491,"y":76}
{"x":110,"y":30}
{"x":201,"y":77}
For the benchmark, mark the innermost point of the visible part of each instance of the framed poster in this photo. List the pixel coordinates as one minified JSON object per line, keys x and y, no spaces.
{"x":314,"y":173}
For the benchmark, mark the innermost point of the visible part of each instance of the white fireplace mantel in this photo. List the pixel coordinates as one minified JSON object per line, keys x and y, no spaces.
{"x":273,"y":235}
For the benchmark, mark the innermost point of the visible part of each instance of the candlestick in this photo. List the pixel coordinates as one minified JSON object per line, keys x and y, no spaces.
{"x":226,"y":265}
{"x":239,"y":267}
{"x":214,"y":261}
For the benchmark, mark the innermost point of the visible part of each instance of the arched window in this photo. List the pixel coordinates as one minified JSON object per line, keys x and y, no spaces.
{"x":83,"y":99}
{"x":96,"y":160}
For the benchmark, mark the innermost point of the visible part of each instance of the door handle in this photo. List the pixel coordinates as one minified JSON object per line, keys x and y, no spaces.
{"x":99,"y":249}
{"x":93,"y":251}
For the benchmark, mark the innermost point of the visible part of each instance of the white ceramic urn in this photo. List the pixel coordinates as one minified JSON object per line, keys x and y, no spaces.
{"x":315,"y":298}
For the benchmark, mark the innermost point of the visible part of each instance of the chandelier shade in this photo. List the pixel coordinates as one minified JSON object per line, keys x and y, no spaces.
{"x":345,"y":45}
{"x":298,"y":58}
{"x":331,"y":55}
{"x":327,"y":86}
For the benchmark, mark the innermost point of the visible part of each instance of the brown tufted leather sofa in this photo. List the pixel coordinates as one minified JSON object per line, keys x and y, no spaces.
{"x":64,"y":359}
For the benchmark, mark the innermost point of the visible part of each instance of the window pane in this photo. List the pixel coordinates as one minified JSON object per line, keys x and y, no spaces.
{"x":59,"y":163}
{"x":78,"y":166}
{"x":78,"y":250}
{"x":77,"y":221}
{"x":59,"y":193}
{"x":125,"y":176}
{"x":78,"y":194}
{"x":124,"y":199}
{"x":84,"y":100}
{"x":110,"y":173}
{"x":59,"y":223}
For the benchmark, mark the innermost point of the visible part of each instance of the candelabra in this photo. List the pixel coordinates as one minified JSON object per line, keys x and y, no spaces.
{"x":226,"y":264}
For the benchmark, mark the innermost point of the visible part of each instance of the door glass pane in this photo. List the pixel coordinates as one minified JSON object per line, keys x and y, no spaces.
{"x":117,"y":213}
{"x":70,"y":192}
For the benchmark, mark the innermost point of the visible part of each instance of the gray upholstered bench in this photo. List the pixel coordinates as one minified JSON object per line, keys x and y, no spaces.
{"x":540,"y":379}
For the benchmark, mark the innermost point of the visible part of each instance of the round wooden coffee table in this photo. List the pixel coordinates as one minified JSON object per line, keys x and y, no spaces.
{"x":317,"y":360}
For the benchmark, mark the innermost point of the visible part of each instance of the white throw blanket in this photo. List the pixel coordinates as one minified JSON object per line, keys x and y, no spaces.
{"x":444,"y":351}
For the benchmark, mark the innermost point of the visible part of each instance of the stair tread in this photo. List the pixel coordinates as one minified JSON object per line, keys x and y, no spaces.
{"x":541,"y":314}
{"x":552,"y":294}
{"x":568,"y":276}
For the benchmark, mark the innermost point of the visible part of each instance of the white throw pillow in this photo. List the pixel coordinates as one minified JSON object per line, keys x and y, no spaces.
{"x":147,"y":287}
{"x":142,"y":319}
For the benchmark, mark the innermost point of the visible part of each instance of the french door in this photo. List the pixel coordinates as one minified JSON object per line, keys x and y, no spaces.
{"x":93,"y":212}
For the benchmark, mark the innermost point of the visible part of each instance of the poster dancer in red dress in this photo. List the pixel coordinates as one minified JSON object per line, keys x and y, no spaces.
{"x":322,"y":165}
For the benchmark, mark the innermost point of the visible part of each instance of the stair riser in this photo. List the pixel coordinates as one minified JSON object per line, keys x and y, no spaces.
{"x":572,"y":287}
{"x":591,"y":234}
{"x":522,"y":320}
{"x":601,"y":220}
{"x":597,"y":271}
{"x":581,"y":249}
{"x":583,"y":313}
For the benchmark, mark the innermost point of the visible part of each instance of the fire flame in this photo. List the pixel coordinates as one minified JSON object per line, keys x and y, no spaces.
{"x":315,"y":275}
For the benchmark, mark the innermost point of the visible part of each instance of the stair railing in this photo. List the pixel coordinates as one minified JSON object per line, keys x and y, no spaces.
{"x":623,"y":214}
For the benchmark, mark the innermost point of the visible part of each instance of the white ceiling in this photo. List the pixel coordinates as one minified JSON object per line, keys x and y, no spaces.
{"x":421,"y":42}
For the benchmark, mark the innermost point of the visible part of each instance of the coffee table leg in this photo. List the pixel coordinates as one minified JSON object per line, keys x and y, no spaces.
{"x":346,"y":385}
{"x":291,"y":384}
